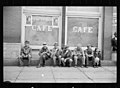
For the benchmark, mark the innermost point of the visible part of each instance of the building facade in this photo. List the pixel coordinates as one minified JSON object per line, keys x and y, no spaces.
{"x":68,"y":25}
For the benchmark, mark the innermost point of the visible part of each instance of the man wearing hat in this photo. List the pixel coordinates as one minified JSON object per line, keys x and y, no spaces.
{"x":56,"y":54}
{"x":44,"y":54}
{"x":25,"y":54}
{"x":89,"y":55}
{"x":67,"y":56}
{"x":78,"y":54}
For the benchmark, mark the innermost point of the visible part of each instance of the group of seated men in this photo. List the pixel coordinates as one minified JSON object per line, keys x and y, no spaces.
{"x":65,"y":56}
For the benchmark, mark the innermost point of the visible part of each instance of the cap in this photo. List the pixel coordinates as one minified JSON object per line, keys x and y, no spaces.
{"x":55,"y":43}
{"x":27,"y":41}
{"x":44,"y":43}
{"x":66,"y":46}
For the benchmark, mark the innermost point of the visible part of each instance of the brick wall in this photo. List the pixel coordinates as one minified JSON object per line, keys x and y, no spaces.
{"x":12,"y":24}
{"x":10,"y":53}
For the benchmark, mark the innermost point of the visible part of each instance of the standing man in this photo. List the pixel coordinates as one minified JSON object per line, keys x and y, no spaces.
{"x":56,"y":54}
{"x":89,"y":55}
{"x":66,"y":56}
{"x":44,"y":54}
{"x":114,"y":47}
{"x":78,"y":54}
{"x":25,"y":54}
{"x":114,"y":42}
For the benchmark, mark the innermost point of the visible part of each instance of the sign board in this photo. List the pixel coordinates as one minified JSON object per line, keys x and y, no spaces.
{"x":82,"y":31}
{"x":41,"y":30}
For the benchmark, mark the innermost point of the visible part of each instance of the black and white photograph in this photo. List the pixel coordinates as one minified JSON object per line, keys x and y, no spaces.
{"x":60,"y":44}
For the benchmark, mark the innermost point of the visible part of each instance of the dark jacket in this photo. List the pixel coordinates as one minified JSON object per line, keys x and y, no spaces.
{"x":26,"y":51}
{"x":44,"y":51}
{"x":114,"y":44}
{"x":97,"y":54}
{"x":89,"y":51}
{"x":66,"y":53}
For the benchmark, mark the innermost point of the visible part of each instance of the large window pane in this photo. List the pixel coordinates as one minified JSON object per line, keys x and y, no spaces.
{"x":83,"y":31}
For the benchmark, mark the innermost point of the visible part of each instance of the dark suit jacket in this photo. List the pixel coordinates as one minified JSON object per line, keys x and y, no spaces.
{"x":66,"y":53}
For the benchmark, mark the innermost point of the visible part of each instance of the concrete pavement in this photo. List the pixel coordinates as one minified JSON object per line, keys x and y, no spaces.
{"x":49,"y":74}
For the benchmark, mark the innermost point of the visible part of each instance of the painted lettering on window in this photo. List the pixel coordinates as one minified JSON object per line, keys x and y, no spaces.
{"x":41,"y":28}
{"x":83,"y":29}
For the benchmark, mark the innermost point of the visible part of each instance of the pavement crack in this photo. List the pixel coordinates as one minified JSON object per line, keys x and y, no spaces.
{"x":19,"y":74}
{"x":53,"y":74}
{"x":85,"y":74}
{"x":108,"y":70}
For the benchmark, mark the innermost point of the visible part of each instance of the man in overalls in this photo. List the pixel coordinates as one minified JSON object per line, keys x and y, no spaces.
{"x":78,"y":54}
{"x":56,"y":54}
{"x":89,"y":55}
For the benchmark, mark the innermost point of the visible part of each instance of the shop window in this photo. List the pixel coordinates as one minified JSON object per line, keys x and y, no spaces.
{"x":83,"y":31}
{"x":42,"y":29}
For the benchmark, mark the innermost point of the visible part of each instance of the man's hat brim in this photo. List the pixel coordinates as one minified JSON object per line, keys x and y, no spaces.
{"x":56,"y":44}
{"x":44,"y":43}
{"x":66,"y":46}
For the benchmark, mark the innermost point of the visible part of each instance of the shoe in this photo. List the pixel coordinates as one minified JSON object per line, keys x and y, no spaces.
{"x":38,"y":66}
{"x":59,"y":65}
{"x":54,"y":66}
{"x":28,"y":65}
{"x":86,"y":66}
{"x":75,"y":66}
{"x":43,"y":65}
{"x":82,"y":66}
{"x":96,"y":66}
{"x":20,"y":65}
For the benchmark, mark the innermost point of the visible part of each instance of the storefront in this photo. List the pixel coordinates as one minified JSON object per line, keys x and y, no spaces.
{"x":43,"y":26}
{"x":81,"y":26}
{"x":71,"y":26}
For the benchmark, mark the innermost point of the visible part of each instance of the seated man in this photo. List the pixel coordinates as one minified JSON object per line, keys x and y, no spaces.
{"x":89,"y":55}
{"x":44,"y":54}
{"x":78,"y":54}
{"x":62,"y":59}
{"x":56,"y":54}
{"x":25,"y":54}
{"x":97,"y":55}
{"x":66,"y":57}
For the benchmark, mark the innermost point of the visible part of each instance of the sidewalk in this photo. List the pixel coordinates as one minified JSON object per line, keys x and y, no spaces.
{"x":49,"y":74}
